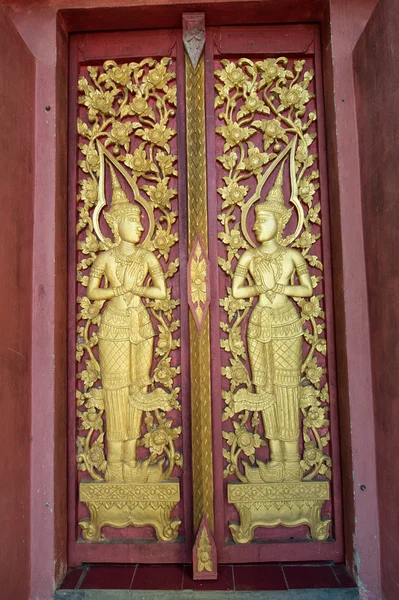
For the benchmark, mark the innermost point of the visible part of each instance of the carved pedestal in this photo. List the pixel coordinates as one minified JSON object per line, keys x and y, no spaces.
{"x":272,"y":504}
{"x":123,"y":504}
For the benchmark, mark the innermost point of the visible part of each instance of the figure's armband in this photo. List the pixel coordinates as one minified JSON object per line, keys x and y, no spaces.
{"x":97,"y":272}
{"x":302,"y":269}
{"x":241,"y":271}
{"x":156,"y":271}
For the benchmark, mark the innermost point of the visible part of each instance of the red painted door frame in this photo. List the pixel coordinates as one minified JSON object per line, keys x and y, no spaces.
{"x":276,"y":40}
{"x":45,"y":27}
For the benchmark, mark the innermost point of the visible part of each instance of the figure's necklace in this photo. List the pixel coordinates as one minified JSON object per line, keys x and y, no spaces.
{"x":271,"y":256}
{"x":122,"y":260}
{"x":275,"y":258}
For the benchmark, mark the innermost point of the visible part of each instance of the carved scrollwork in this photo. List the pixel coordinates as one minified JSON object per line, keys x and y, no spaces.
{"x":267,"y":115}
{"x":127,"y":128}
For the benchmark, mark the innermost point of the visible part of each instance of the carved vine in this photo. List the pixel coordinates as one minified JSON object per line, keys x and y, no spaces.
{"x":128,"y":111}
{"x":267,"y":98}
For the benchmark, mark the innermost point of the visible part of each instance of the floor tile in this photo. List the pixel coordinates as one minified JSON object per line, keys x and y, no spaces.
{"x":71,"y":579}
{"x":259,"y":577}
{"x":343,"y":575}
{"x":108,"y":577}
{"x":158,"y":577}
{"x":305,"y":577}
{"x":223,"y":582}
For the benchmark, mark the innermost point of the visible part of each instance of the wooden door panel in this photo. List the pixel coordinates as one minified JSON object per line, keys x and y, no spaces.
{"x":253,"y":140}
{"x":129,"y":419}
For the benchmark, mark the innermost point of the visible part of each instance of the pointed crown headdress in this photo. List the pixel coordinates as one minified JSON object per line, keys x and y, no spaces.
{"x":275,"y":199}
{"x":120,"y":204}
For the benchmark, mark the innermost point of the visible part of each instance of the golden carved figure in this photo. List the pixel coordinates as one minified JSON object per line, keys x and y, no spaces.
{"x":274,"y":337}
{"x":126,"y":339}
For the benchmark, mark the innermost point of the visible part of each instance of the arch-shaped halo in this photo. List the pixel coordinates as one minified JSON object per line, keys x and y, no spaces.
{"x":290,"y":148}
{"x":102,"y":202}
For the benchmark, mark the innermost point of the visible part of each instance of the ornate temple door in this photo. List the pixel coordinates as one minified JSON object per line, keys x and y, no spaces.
{"x":203,"y":409}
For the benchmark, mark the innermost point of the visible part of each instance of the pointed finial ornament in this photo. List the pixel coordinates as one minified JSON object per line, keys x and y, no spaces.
{"x":275,"y":198}
{"x":194,"y":36}
{"x":120,"y":203}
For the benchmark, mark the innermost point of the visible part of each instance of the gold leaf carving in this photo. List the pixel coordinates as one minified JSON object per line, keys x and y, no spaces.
{"x":126,"y":130}
{"x":204,"y":553}
{"x":267,"y":114}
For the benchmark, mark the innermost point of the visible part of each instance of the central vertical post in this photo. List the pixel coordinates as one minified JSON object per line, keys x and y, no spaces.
{"x":204,"y":551}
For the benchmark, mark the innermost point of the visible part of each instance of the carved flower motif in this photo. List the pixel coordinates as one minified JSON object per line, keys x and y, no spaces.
{"x":298,"y":65}
{"x":88,"y":191}
{"x":92,"y":159}
{"x":234,"y":240}
{"x":89,"y":375}
{"x":89,"y":310}
{"x":233,"y":194}
{"x":158,"y":135}
{"x":312,"y":455}
{"x":235,"y":341}
{"x":204,"y":553}
{"x":236,"y":372}
{"x":166,"y":305}
{"x":301,"y":154}
{"x":118,"y":74}
{"x":197,"y":279}
{"x":232,"y":305}
{"x":313,"y":214}
{"x":272,"y":131}
{"x":232,"y":76}
{"x":138,"y":162}
{"x":166,"y":162}
{"x":158,"y":77}
{"x":140,"y":106}
{"x":295,"y":96}
{"x":95,"y":456}
{"x":158,"y":439}
{"x":321,"y":346}
{"x":95,"y":398}
{"x":120,"y":132}
{"x":246,"y":440}
{"x":306,"y":190}
{"x":316,"y":417}
{"x":90,"y":244}
{"x":306,"y":240}
{"x":255,"y":160}
{"x":164,"y":373}
{"x":312,"y":308}
{"x":308,"y":396}
{"x":163,"y":241}
{"x":234,"y":134}
{"x":314,"y":372}
{"x":324,"y":394}
{"x":271,"y":70}
{"x":160,"y":194}
{"x":163,"y":344}
{"x":96,"y":100}
{"x":253,"y":104}
{"x":90,"y":419}
{"x":171,"y":95}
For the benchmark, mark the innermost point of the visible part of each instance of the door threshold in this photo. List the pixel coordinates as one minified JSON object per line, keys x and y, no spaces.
{"x":309,"y":594}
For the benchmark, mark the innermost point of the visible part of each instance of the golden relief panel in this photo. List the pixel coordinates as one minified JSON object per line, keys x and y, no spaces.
{"x":274,"y":345}
{"x":127,"y":326}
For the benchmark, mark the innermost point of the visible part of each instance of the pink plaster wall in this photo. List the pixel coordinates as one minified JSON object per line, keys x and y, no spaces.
{"x":343,"y":22}
{"x":377,"y":84}
{"x":17,"y":106}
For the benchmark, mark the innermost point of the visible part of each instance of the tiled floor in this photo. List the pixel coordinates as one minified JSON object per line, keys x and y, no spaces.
{"x":230,"y":577}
